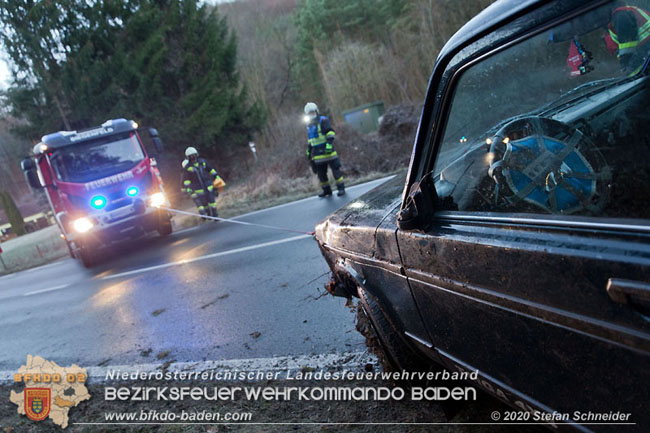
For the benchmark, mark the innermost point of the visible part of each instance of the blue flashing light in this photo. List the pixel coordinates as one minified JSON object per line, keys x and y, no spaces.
{"x":98,"y":202}
{"x":132,"y":191}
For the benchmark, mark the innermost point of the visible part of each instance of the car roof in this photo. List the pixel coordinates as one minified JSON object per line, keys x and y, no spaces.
{"x":499,"y":13}
{"x":491,"y":16}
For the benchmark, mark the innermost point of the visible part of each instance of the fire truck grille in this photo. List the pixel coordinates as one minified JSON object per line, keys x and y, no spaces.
{"x":117,"y":201}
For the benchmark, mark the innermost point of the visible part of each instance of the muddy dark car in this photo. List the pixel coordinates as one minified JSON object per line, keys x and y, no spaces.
{"x":518,"y":243}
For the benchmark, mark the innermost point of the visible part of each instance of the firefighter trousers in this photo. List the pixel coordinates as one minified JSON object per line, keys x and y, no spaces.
{"x":205,"y":203}
{"x":321,"y":171}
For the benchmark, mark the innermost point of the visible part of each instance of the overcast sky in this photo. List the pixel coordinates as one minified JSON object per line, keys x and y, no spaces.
{"x":4,"y":73}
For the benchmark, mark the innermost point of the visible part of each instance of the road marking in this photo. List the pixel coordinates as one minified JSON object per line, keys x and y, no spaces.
{"x":208,"y":256}
{"x":324,"y":361}
{"x":51,"y":289}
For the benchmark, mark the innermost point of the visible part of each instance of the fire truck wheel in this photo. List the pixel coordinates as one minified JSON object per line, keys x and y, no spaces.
{"x":165,"y":228}
{"x":87,"y":257}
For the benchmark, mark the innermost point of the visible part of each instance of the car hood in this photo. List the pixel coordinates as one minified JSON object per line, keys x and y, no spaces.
{"x":353,"y":226}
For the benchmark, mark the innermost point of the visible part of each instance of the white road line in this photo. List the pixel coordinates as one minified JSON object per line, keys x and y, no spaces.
{"x":51,"y":289}
{"x":339,"y":361}
{"x":208,"y":256}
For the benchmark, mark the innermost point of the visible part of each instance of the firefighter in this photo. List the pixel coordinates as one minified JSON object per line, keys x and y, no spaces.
{"x":198,"y":179}
{"x":320,"y":150}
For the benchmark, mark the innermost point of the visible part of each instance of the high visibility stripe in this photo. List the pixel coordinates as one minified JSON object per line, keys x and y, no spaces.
{"x":199,"y":191}
{"x":212,"y":204}
{"x":330,"y":134}
{"x":317,"y":141}
{"x":627,"y":45}
{"x":339,"y":180}
{"x":324,"y":183}
{"x":213,"y":172}
{"x":321,"y":157}
{"x":613,"y":36}
{"x":201,"y":207}
{"x":190,"y":168}
{"x":187,"y":182}
{"x":644,"y":32}
{"x":210,"y":188}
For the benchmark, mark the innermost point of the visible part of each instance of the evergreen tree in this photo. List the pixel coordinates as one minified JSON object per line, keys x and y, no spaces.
{"x":185,"y":62}
{"x":165,"y":63}
{"x":12,"y":213}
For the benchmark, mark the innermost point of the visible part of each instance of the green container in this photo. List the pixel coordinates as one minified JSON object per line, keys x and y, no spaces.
{"x":365,"y":118}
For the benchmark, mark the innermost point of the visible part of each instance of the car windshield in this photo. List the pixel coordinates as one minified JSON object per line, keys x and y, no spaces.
{"x":539,"y":74}
{"x":91,"y":160}
{"x":556,"y":123}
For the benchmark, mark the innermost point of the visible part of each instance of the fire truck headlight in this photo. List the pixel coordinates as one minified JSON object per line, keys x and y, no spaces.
{"x":306,"y":118}
{"x":158,"y":199}
{"x":132,"y":191}
{"x":82,"y":225}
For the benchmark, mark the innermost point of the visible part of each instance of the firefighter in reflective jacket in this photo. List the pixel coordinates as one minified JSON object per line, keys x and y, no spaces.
{"x":320,"y":150}
{"x":198,"y":178}
{"x":627,"y":37}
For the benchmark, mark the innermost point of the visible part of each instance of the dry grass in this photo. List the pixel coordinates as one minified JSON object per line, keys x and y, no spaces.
{"x":32,"y":249}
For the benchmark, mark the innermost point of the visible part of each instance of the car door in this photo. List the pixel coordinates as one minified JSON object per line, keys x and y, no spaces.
{"x":533,"y":263}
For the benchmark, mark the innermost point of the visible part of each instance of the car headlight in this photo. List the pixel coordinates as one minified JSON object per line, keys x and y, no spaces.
{"x":158,"y":199}
{"x":82,"y":225}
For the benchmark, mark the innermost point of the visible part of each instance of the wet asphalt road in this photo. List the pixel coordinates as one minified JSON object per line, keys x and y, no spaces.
{"x":253,"y":280}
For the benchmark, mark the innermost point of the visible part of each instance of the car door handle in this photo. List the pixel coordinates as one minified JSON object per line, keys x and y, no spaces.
{"x":623,"y":291}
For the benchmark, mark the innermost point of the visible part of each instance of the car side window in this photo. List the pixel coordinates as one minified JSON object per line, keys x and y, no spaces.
{"x":555,"y":124}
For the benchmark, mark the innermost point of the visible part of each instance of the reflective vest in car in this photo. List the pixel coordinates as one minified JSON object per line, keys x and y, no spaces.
{"x":614,"y":46}
{"x":319,"y":150}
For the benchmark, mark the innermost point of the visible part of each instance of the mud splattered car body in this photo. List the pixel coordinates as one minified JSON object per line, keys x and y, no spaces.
{"x":518,"y":243}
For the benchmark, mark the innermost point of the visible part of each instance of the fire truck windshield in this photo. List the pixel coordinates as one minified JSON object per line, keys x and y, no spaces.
{"x":91,"y":160}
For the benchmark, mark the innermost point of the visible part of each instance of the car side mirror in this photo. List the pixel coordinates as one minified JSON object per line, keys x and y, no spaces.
{"x":419,"y":206}
{"x":155,"y":138}
{"x":29,"y":168}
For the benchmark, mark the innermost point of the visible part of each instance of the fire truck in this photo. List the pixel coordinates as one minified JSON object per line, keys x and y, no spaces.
{"x":101,"y":184}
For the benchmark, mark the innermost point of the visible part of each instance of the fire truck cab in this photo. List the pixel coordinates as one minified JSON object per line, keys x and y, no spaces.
{"x":101,"y":185}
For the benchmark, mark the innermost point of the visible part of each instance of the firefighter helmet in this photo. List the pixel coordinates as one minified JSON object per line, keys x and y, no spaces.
{"x":310,"y":106}
{"x":191,"y":151}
